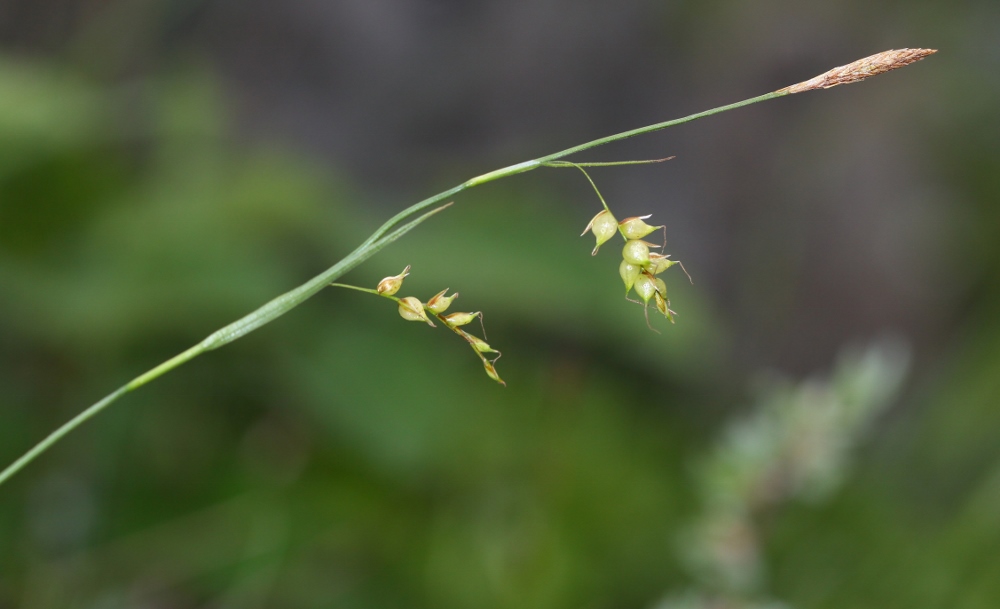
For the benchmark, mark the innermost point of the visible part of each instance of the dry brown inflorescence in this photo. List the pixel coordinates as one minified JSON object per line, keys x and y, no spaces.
{"x":856,"y":71}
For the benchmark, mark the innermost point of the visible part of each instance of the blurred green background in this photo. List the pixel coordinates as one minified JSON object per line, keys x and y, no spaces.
{"x":820,"y":429}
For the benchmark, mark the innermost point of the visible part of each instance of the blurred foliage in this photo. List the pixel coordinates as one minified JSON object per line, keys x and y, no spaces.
{"x":341,"y":457}
{"x":341,"y":454}
{"x":795,"y":444}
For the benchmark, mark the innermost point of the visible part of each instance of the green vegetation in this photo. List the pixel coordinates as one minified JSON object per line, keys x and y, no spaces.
{"x":344,"y":458}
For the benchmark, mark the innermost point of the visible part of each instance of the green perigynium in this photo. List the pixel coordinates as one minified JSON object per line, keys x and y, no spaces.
{"x":645,"y":287}
{"x":604,"y":226}
{"x":477,"y":343}
{"x":629,"y":272}
{"x":636,"y":228}
{"x":439,"y":303}
{"x":391,"y":285}
{"x":660,"y":262}
{"x":637,"y":252}
{"x":411,"y":309}
{"x":661,"y":288}
{"x":453,"y":320}
{"x":662,"y":304}
{"x":491,"y":371}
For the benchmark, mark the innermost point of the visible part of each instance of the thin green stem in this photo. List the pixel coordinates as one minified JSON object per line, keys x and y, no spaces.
{"x":372,"y":245}
{"x":95,"y":409}
{"x":589,"y":179}
{"x":657,"y":127}
{"x":607,"y":164}
{"x":368,"y":290}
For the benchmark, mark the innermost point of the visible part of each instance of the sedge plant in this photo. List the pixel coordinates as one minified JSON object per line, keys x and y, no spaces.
{"x":639,"y":268}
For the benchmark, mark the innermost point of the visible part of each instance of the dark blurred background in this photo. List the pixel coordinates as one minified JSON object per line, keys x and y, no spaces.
{"x":820,"y":429}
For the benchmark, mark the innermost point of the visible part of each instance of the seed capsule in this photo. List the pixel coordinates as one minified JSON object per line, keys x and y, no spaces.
{"x":661,"y":288}
{"x":663,"y":306}
{"x":391,"y":285}
{"x":479,"y":344}
{"x":629,"y":273}
{"x":637,"y":253}
{"x":635,"y":228}
{"x":604,"y":226}
{"x":440,"y":303}
{"x":661,"y":303}
{"x":659,"y":263}
{"x":492,"y":373}
{"x":459,"y":319}
{"x":645,"y":287}
{"x":411,"y":309}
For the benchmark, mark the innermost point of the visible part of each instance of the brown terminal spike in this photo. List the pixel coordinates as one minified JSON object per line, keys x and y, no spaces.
{"x":861,"y":69}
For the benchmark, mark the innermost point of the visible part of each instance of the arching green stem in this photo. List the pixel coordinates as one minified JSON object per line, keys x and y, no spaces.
{"x":586,"y":175}
{"x":606,"y":164}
